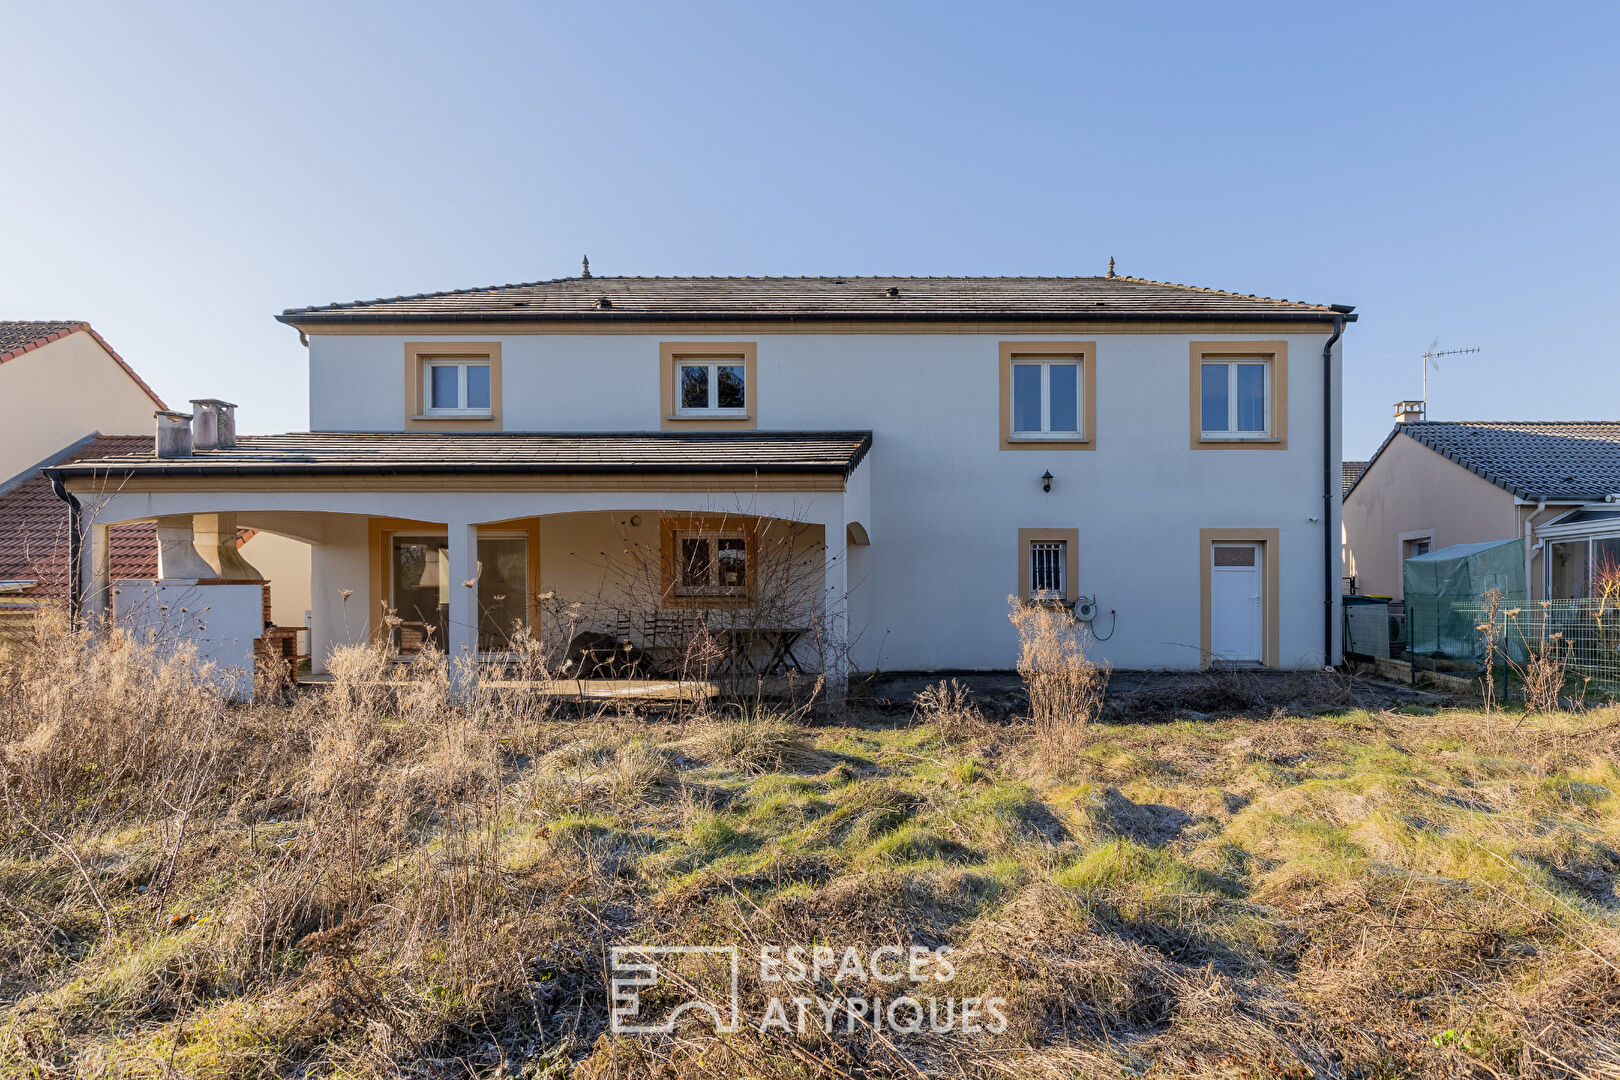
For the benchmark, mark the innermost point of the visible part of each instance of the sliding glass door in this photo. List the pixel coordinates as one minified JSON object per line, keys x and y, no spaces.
{"x":420,"y":589}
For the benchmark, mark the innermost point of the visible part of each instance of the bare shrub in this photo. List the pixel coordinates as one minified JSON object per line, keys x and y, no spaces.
{"x":1546,"y":667}
{"x":1492,"y":629}
{"x":1066,"y":688}
{"x":666,"y":606}
{"x":948,"y":706}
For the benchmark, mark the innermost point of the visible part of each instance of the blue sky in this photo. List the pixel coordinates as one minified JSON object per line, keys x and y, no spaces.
{"x":178,"y":175}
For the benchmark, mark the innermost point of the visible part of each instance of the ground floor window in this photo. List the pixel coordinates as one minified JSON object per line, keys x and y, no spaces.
{"x":419,"y":573}
{"x":1046,"y":558}
{"x":1048,"y":564}
{"x":711,"y":564}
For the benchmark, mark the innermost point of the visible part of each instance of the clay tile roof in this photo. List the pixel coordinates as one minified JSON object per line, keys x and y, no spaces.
{"x":631,"y":299}
{"x":417,"y":453}
{"x":20,"y":338}
{"x":17,"y":338}
{"x":34,"y":527}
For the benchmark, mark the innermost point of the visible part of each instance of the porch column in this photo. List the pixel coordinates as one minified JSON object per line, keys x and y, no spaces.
{"x":98,"y":568}
{"x":462,"y":631}
{"x":835,"y":662}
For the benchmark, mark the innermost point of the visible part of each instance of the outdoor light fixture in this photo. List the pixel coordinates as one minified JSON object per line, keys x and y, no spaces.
{"x":1046,"y":480}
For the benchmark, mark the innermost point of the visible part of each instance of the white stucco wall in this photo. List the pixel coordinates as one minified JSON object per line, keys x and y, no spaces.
{"x":69,"y":388}
{"x":220,"y":621}
{"x":340,"y":588}
{"x":1408,"y":489}
{"x":946,"y":502}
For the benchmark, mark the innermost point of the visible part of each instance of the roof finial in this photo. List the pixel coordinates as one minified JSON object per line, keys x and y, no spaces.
{"x":1110,"y":266}
{"x":585,"y":266}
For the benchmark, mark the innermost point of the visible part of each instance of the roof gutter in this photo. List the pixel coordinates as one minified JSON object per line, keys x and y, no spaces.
{"x":75,"y":548}
{"x":310,"y":319}
{"x":1332,"y":488}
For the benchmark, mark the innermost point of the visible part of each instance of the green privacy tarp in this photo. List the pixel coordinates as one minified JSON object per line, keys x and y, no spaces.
{"x":1444,"y":591}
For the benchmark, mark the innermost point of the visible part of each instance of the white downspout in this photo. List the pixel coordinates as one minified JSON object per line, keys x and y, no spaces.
{"x":1529,"y":551}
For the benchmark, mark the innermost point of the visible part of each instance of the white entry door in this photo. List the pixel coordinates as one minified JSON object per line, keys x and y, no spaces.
{"x":1237,"y":602}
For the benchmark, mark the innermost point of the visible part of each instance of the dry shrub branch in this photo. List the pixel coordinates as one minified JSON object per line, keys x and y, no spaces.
{"x":1065,"y":687}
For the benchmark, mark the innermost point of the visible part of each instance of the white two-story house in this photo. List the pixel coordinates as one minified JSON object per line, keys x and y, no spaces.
{"x":606,"y":453}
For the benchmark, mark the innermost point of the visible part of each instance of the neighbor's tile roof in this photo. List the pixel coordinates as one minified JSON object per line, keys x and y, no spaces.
{"x":1539,"y":459}
{"x":631,"y":299}
{"x":506,"y":453}
{"x":19,"y":338}
{"x":34,"y":527}
{"x":1352,"y":473}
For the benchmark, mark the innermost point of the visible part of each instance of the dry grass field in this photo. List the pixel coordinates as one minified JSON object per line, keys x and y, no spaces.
{"x":376,"y":880}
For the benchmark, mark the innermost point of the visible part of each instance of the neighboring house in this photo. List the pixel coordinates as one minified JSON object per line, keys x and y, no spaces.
{"x":84,"y":401}
{"x":1352,"y":473}
{"x":67,"y":386}
{"x":34,"y":547}
{"x":623,"y":454}
{"x":64,"y":382}
{"x":1432,"y":484}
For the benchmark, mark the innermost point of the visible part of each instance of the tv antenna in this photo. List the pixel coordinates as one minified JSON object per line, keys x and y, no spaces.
{"x":1431,"y":358}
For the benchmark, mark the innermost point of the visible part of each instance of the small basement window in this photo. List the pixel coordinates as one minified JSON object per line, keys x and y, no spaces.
{"x":456,"y":387}
{"x":1047,"y":559}
{"x":1048,"y":564}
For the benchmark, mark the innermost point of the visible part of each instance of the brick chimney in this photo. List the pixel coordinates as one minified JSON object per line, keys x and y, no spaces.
{"x":1410,"y":412}
{"x":173,"y":434}
{"x":214,"y":426}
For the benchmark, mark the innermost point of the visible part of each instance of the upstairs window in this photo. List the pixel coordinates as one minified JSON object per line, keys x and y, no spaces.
{"x":1048,"y":395}
{"x":1240,"y":394}
{"x":709,"y":385}
{"x":1046,"y":398}
{"x":1236,"y":398}
{"x":456,"y":387}
{"x":452,"y":386}
{"x":711,"y":388}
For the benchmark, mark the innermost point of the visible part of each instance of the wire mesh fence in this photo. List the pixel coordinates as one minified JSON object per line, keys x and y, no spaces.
{"x":1581,"y":635}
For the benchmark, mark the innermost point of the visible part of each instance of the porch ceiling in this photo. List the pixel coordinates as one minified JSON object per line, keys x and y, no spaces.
{"x":341,"y":454}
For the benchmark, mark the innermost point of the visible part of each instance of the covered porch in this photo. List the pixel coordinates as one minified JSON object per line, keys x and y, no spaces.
{"x":649,"y":559}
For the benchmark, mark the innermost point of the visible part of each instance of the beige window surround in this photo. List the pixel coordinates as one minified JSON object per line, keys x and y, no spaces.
{"x":417,"y":356}
{"x":670,"y":356}
{"x":1044,"y":352}
{"x":1275,"y":353}
{"x":713,"y":527}
{"x":1070,"y":538}
{"x":1267,"y":539}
